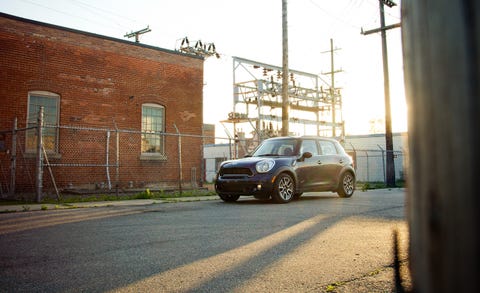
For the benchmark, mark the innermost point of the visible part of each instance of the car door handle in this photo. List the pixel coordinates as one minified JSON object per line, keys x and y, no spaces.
{"x":341,"y":161}
{"x":319,"y":162}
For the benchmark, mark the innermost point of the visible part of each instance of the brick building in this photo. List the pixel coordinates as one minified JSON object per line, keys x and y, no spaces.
{"x":110,"y":106}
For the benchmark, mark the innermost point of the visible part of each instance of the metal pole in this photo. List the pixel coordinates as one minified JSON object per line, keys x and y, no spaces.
{"x":13,"y":168}
{"x":107,"y":160}
{"x":39,"y":163}
{"x":117,"y":161}
{"x":332,"y":90}
{"x":51,"y":173}
{"x":285,"y":106}
{"x":180,"y":172}
{"x":383,"y":163}
{"x":368,"y":166}
{"x":388,"y":116}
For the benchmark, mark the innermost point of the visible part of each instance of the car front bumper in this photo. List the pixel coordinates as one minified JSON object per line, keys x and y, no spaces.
{"x":259,"y":185}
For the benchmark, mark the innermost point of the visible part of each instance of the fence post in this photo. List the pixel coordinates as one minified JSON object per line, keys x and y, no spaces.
{"x":39,"y":163}
{"x":229,"y":148}
{"x":368,"y":166}
{"x":383,"y":164}
{"x":117,"y":160}
{"x":107,"y":159}
{"x":13,"y":163}
{"x":180,"y":173}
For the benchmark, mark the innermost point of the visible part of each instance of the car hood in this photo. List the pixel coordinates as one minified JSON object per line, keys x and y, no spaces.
{"x":252,"y":161}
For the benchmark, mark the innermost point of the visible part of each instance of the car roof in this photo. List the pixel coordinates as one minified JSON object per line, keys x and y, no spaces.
{"x":303,"y":137}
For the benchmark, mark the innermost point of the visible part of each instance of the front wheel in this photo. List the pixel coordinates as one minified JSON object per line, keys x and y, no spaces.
{"x":347,"y":185}
{"x":283,"y":189}
{"x":229,"y":197}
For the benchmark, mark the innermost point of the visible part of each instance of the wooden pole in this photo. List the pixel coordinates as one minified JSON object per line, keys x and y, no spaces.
{"x":285,"y":102}
{"x":388,"y":112}
{"x":441,"y":48}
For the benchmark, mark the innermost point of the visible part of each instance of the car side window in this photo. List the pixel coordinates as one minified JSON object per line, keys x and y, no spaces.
{"x":309,"y":146}
{"x":327,"y":147}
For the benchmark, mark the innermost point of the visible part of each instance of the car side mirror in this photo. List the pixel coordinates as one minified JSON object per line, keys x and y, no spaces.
{"x":305,"y":155}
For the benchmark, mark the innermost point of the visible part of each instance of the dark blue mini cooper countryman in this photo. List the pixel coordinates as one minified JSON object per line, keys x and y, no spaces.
{"x":283,"y":168}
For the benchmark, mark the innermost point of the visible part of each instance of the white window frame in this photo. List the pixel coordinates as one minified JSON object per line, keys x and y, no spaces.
{"x":50,"y":126}
{"x":147,"y":131}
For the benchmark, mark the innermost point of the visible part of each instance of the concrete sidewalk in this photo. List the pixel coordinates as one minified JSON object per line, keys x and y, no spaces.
{"x":7,"y":208}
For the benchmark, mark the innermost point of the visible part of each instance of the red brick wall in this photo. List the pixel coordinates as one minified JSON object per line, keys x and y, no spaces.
{"x":102,"y":83}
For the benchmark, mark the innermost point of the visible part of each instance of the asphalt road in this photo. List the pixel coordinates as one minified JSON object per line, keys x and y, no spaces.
{"x":319,"y":243}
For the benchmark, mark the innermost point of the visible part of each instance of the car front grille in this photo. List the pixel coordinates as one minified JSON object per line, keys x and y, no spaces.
{"x":229,"y":172}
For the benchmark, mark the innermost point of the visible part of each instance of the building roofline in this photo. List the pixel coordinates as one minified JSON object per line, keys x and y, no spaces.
{"x":35,"y":22}
{"x":374,"y":135}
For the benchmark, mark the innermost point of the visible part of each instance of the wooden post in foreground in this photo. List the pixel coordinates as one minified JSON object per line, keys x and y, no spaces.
{"x":441,"y":43}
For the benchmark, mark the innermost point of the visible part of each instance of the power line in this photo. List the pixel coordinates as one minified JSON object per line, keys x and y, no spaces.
{"x":89,"y":20}
{"x":334,"y":16}
{"x":105,"y":13}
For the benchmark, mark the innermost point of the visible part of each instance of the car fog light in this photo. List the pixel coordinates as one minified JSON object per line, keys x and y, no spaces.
{"x":259,"y":187}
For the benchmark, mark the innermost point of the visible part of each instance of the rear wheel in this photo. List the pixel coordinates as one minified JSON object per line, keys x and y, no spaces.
{"x":229,"y":197}
{"x":347,"y":185}
{"x":284,"y":188}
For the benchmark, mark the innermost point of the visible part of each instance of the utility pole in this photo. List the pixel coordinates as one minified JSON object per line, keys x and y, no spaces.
{"x":285,"y":100}
{"x":386,"y":85}
{"x":332,"y":86}
{"x":137,"y":33}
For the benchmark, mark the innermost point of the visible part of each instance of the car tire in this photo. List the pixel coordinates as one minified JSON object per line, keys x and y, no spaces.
{"x":283,"y":189}
{"x":229,"y":197}
{"x":346,"y":186}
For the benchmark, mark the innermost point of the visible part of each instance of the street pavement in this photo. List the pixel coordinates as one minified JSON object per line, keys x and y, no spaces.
{"x":320,"y":243}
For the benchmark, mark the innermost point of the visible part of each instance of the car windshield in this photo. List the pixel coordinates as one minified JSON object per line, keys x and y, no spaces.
{"x":276,"y":147}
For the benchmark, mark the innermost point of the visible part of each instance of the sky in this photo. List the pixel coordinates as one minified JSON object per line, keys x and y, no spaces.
{"x":252,"y":29}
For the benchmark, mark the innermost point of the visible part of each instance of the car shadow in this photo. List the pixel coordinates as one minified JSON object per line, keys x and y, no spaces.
{"x":309,"y":196}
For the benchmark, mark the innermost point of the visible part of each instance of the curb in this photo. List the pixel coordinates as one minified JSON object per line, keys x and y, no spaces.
{"x":133,"y":202}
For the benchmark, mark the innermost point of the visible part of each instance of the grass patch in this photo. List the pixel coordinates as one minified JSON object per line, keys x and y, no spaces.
{"x":364,"y":186}
{"x":146,"y":194}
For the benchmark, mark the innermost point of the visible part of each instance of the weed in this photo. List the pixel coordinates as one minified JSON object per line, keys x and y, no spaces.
{"x":25,"y":208}
{"x":44,"y":207}
{"x":147,"y":194}
{"x":365,"y":186}
{"x":333,"y":286}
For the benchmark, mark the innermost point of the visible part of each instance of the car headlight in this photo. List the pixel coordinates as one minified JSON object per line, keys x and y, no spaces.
{"x":265,"y":165}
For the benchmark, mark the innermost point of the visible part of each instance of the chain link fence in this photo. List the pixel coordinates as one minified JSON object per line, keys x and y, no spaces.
{"x":370,"y":164}
{"x":80,"y":160}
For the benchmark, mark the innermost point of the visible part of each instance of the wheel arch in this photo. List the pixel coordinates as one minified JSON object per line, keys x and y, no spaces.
{"x":290,"y":172}
{"x":346,"y":169}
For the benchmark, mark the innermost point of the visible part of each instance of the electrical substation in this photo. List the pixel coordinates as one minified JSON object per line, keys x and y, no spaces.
{"x":315,"y":108}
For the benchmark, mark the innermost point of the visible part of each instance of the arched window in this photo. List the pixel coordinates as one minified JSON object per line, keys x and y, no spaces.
{"x":50,"y":102}
{"x":153,"y":127}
